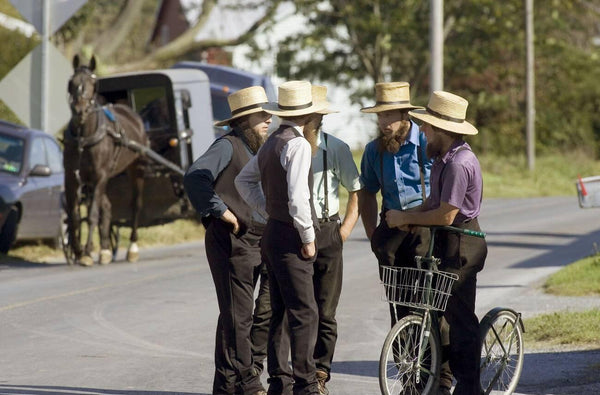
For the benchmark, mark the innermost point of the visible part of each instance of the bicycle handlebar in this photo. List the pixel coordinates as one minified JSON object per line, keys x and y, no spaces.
{"x":468,"y":232}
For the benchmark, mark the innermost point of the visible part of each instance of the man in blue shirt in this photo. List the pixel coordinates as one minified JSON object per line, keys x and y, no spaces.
{"x":396,"y":164}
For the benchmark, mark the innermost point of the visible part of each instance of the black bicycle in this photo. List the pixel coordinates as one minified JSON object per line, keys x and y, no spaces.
{"x":411,"y":356}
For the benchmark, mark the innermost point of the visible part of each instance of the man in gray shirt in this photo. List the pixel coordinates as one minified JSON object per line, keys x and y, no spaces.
{"x":233,"y":233}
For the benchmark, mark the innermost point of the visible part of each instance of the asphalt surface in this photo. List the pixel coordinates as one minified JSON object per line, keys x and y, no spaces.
{"x":148,"y":328}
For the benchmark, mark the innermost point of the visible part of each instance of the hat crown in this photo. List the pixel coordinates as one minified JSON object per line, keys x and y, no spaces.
{"x":319,"y":93}
{"x":447,"y":105}
{"x":392,"y":92}
{"x":252,"y":96}
{"x":294,"y":95}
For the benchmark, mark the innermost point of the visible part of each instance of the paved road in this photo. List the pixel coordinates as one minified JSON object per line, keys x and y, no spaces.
{"x":148,"y":327}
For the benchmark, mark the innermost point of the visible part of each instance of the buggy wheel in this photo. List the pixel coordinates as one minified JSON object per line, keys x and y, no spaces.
{"x":501,"y":351}
{"x":399,"y":372}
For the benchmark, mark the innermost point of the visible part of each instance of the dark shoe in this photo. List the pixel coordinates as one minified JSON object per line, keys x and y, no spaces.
{"x":322,"y":377}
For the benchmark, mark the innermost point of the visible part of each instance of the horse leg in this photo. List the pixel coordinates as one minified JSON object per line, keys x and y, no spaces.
{"x":136,"y":175}
{"x":73,"y":216}
{"x":104,"y":228}
{"x":93,"y":216}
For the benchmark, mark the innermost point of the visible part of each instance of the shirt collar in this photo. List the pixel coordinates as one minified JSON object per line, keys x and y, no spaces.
{"x":287,"y":122}
{"x":453,"y":148}
{"x":321,"y":141}
{"x":413,"y":134}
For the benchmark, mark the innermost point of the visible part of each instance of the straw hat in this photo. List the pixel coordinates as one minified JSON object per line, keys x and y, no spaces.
{"x":391,"y":96}
{"x":244,"y":102}
{"x":295,"y":98}
{"x":319,"y":95}
{"x":446,"y":111}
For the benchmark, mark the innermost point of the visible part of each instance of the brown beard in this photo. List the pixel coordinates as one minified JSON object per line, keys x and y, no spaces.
{"x":253,"y":139}
{"x":432,"y":151}
{"x":311,"y":131}
{"x":392,"y":142}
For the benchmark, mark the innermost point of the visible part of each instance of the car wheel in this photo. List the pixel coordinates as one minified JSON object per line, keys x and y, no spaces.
{"x":8,"y":233}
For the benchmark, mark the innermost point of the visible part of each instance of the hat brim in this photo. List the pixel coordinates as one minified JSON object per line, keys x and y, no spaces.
{"x":239,"y":115}
{"x":388,"y":107}
{"x":463,"y":127}
{"x":327,"y":110}
{"x":273,"y":109}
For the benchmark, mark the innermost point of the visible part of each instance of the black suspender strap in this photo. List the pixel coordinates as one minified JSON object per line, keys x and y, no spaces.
{"x":421,"y":171}
{"x":326,"y":209}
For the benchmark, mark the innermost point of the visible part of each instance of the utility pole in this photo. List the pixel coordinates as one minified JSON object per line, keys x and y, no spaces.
{"x":530,"y":128}
{"x":436,"y":43}
{"x":45,"y":67}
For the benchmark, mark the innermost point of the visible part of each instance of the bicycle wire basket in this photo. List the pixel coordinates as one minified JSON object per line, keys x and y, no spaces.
{"x":407,"y":286}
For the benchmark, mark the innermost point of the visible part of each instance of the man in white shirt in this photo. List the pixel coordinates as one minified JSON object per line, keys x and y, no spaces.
{"x":282,"y":169}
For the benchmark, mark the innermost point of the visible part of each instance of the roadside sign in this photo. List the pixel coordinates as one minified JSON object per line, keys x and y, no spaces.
{"x":60,"y":12}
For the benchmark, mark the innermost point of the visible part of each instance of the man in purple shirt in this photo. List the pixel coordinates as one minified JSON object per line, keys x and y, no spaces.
{"x":455,"y":199}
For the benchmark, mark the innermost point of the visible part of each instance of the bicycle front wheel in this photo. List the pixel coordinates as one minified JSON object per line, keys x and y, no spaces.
{"x":399,"y":370}
{"x":501,"y":351}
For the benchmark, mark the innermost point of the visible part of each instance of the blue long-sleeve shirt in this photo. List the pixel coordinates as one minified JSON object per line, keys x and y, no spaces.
{"x":401,"y":179}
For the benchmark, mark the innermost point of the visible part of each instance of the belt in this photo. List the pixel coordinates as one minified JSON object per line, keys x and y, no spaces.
{"x":333,"y":218}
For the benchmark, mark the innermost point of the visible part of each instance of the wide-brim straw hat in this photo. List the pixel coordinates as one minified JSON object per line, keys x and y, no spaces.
{"x":319,"y":95}
{"x":446,"y":111}
{"x":391,"y":96}
{"x":294,"y":99}
{"x":245,"y":102}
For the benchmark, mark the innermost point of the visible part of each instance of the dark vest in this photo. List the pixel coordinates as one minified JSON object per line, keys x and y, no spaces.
{"x":273,"y":175}
{"x":224,"y":185}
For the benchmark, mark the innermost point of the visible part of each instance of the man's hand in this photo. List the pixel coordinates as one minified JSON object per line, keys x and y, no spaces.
{"x":395,"y":219}
{"x":308,"y":250}
{"x":230,"y":218}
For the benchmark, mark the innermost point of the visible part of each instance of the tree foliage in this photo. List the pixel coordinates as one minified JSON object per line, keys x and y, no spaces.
{"x":356,"y":43}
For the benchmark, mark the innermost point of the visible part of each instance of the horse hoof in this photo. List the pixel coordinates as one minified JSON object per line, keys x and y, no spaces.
{"x":133,"y":253}
{"x":105,"y":257}
{"x":86,"y":261}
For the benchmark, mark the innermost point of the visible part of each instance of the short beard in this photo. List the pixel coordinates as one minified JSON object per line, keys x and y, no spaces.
{"x":392,"y":143}
{"x":432,"y":151}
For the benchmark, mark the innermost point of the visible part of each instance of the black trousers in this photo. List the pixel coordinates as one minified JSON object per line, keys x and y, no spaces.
{"x":292,"y":295}
{"x":232,"y":262}
{"x":395,"y":247}
{"x":327,"y":279}
{"x":262,"y":318}
{"x":465,"y":256}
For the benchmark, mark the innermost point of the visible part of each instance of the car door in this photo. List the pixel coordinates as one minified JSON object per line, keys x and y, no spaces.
{"x":56,"y":182}
{"x":35,"y":194}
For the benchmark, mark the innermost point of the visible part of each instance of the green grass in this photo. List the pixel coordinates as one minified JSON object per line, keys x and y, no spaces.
{"x":563,"y":329}
{"x":581,"y":278}
{"x":567,"y":328}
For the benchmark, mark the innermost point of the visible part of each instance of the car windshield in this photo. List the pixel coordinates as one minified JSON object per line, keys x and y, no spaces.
{"x":11,"y":153}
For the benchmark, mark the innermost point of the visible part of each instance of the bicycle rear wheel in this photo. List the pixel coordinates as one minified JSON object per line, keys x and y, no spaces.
{"x":501,"y":351}
{"x":398,"y":370}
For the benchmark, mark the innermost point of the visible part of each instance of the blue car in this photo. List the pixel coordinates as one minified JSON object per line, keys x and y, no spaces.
{"x":31,"y":186}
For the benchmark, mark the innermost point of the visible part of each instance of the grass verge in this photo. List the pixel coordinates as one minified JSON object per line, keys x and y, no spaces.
{"x":567,"y":328}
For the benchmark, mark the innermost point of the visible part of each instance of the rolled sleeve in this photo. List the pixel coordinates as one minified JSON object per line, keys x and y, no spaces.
{"x":296,"y":158}
{"x":200,"y":178}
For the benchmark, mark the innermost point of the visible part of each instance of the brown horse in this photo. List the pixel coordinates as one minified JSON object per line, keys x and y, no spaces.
{"x":95,"y":149}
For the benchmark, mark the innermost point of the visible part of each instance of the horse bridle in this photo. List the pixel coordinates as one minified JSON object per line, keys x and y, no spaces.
{"x":82,"y":93}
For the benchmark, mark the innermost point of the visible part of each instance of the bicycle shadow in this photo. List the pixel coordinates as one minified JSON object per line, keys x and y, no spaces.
{"x":356,"y":368}
{"x":61,"y":390}
{"x":549,"y":371}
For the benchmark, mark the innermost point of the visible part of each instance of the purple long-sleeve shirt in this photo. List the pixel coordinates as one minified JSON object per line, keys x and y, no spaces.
{"x":456,"y":179}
